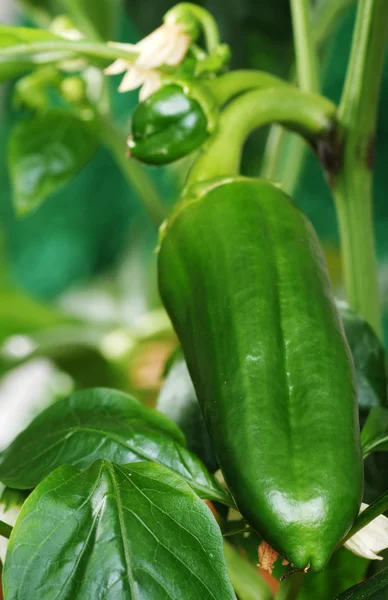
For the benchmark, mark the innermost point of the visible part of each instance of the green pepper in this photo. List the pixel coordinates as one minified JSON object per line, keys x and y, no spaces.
{"x":168,"y":125}
{"x":243,"y":278}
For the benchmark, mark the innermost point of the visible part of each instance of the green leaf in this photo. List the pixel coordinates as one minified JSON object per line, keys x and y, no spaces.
{"x":178,"y":400}
{"x":45,"y":152}
{"x":14,"y":36}
{"x":14,"y":66}
{"x":101,"y":423}
{"x":369,"y":359}
{"x":115,"y":532}
{"x":375,"y":588}
{"x":374,"y":435}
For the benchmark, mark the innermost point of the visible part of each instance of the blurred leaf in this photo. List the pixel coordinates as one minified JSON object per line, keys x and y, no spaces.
{"x":12,"y":67}
{"x":374,"y":435}
{"x":11,"y":497}
{"x":344,"y":569}
{"x":245,"y":578}
{"x":115,"y":532}
{"x":20,"y":314}
{"x":375,"y":588}
{"x":45,"y":152}
{"x":178,"y":400}
{"x":14,"y":36}
{"x":369,"y":359}
{"x":101,"y":423}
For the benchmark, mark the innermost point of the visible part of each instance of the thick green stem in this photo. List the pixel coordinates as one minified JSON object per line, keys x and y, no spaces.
{"x":352,"y":185}
{"x":244,"y":577}
{"x":289,"y":589}
{"x":231,"y":84}
{"x":5,"y":529}
{"x":134,"y":173}
{"x":284,"y":153}
{"x":306,"y":57}
{"x":307,"y":70}
{"x":306,"y":113}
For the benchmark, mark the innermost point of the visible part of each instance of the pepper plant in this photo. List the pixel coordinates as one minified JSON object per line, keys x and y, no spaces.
{"x":254,"y":453}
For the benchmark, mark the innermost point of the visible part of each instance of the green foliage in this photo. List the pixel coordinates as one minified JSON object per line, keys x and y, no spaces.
{"x":107,"y":424}
{"x":115,"y":532}
{"x":12,"y":67}
{"x":45,"y":152}
{"x":369,"y":360}
{"x":375,"y":588}
{"x":374,"y":435}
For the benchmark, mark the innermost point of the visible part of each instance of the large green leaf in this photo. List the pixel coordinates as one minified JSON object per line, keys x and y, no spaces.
{"x":112,"y":532}
{"x":369,"y":360}
{"x":45,"y":152}
{"x":101,"y":423}
{"x":374,"y":435}
{"x":375,"y":588}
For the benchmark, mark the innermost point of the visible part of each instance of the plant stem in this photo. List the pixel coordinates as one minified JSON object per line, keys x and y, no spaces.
{"x":289,"y":588}
{"x":308,"y":79}
{"x":89,"y":49}
{"x":245,"y":579}
{"x":133,"y":172}
{"x":369,"y":514}
{"x":5,"y":529}
{"x":306,"y":57}
{"x":326,"y":16}
{"x":307,"y":113}
{"x":226,"y":86}
{"x":284,"y":153}
{"x":352,"y":186}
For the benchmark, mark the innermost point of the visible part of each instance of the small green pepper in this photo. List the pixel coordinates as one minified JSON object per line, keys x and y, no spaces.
{"x":167,"y":126}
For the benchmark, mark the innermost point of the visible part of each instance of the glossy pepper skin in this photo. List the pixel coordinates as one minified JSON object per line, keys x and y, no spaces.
{"x":242,"y":276}
{"x":167,"y":126}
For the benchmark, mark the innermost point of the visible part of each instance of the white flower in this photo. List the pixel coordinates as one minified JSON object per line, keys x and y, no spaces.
{"x":167,"y":45}
{"x":371,"y":539}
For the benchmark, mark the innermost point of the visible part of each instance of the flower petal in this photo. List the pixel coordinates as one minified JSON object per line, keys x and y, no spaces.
{"x":179,"y":51}
{"x":151,"y":84}
{"x":371,"y":539}
{"x":118,"y":66}
{"x":132,"y":79}
{"x":166,"y":45}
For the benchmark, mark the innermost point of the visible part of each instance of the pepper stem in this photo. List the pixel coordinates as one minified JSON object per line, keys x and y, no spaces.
{"x":309,"y":114}
{"x":193,"y":16}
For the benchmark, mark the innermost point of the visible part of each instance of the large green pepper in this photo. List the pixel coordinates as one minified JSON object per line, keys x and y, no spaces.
{"x":168,"y":125}
{"x":242,"y":276}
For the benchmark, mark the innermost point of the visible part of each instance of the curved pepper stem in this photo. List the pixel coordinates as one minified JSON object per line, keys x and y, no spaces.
{"x":194,"y":18}
{"x":234,"y":83}
{"x":309,"y":114}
